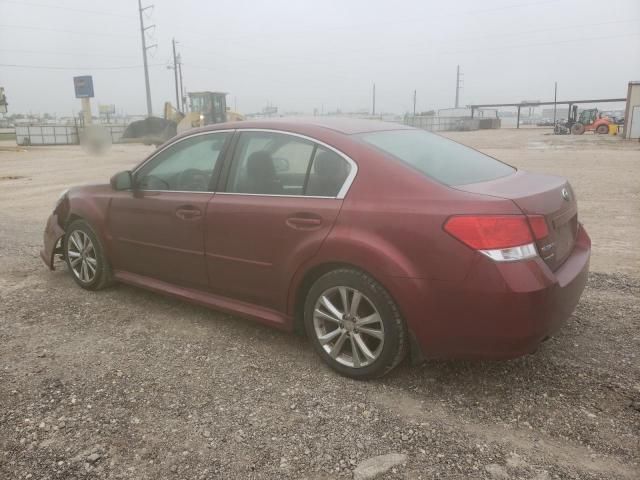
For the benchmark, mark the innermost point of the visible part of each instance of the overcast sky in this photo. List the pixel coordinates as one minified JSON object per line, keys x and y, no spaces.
{"x":303,"y":54}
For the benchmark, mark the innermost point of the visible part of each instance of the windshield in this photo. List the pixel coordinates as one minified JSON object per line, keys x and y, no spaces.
{"x":442,"y":159}
{"x":197,"y":104}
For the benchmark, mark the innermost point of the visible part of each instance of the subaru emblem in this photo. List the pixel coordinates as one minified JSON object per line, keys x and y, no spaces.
{"x":565,"y":194}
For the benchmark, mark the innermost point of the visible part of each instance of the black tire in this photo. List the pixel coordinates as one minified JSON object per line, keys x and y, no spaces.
{"x":395,"y":344}
{"x":602,"y":129}
{"x":102,"y":276}
{"x":577,"y":129}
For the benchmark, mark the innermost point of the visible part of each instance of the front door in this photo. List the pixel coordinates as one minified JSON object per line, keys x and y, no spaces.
{"x":157,"y":229}
{"x":281,"y":199}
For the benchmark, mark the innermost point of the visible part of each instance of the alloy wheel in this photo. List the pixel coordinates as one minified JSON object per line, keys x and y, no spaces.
{"x":348,"y":326}
{"x":82,"y":256}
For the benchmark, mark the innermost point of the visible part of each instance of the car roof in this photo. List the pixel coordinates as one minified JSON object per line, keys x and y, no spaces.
{"x":344,"y":125}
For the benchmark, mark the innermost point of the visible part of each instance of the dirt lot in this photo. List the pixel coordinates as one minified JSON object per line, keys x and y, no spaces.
{"x":128,"y":384}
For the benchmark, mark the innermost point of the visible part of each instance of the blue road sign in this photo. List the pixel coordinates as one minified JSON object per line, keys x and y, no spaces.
{"x":83,"y":86}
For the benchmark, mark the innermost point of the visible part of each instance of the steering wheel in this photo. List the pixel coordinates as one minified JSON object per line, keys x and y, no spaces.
{"x":193,"y":180}
{"x":148,"y":181}
{"x":281,"y":164}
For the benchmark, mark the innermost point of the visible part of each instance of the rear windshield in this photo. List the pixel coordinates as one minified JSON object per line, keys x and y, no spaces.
{"x":440,"y":158}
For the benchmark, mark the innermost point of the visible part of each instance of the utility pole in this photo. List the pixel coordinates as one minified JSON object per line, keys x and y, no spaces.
{"x":458,"y":86}
{"x":182,"y":95}
{"x":143,"y":30}
{"x":175,"y":73}
{"x":414,"y":102}
{"x":555,"y":99}
{"x":373,"y":114}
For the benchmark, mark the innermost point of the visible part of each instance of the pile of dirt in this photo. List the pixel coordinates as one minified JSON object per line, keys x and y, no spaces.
{"x":151,"y":130}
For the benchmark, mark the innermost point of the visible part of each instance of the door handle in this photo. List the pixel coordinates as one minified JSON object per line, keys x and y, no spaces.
{"x":188,"y":213}
{"x":304,"y":221}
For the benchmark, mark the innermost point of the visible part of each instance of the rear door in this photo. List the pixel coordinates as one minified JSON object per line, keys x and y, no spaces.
{"x":268,"y":221}
{"x":157,"y":229}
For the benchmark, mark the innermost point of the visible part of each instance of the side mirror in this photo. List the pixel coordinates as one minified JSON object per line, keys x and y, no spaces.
{"x":122,"y":181}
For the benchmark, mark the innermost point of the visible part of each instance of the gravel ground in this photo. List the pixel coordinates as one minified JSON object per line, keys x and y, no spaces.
{"x":125,"y":383}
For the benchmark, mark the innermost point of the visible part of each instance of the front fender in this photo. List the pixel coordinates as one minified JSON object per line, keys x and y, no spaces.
{"x":91,"y":206}
{"x":89,"y":203}
{"x":53,"y":232}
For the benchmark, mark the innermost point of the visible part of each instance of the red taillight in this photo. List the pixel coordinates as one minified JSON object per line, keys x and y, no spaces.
{"x":488,"y":232}
{"x":538,"y":226}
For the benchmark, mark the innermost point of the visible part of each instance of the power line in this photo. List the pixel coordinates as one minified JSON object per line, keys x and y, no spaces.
{"x":558,"y":42}
{"x":508,"y":7}
{"x":69,"y":9}
{"x":49,"y":52}
{"x":414,"y":20}
{"x":350,"y":49}
{"x":74,"y":32}
{"x":548,"y":29}
{"x":411,"y":53}
{"x":43,"y":67}
{"x":201,"y":67}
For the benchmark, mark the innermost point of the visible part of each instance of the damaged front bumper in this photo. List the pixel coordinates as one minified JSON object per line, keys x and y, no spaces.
{"x":53,"y":233}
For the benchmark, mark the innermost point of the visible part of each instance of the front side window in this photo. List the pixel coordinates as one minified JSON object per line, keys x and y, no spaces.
{"x":187,"y":165}
{"x":442,"y":159}
{"x":269,"y":163}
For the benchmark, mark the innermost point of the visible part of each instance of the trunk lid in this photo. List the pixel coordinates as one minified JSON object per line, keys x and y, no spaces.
{"x":537,"y":194}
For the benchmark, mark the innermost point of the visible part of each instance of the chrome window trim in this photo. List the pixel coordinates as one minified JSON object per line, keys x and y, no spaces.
{"x":274,"y":195}
{"x":234,"y":193}
{"x":345,"y":186}
{"x":175,"y":142}
{"x":171,"y":191}
{"x":341,"y":193}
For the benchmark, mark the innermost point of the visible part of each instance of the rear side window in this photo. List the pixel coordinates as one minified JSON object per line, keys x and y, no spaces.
{"x":442,"y":159}
{"x":268,"y":163}
{"x":328,"y":173}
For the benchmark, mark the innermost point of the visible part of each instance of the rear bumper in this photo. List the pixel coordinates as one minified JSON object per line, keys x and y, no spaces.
{"x":53,"y":232}
{"x":500,"y":311}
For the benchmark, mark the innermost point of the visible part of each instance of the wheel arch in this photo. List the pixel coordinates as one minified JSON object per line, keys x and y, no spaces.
{"x":64,"y":219}
{"x":601,"y":123}
{"x":316,"y":271}
{"x":75,"y":216}
{"x":80,"y":207}
{"x":309,"y":277}
{"x":348,"y":247}
{"x":313,"y":273}
{"x":92,"y":210}
{"x":95,"y":219}
{"x":72,"y":217}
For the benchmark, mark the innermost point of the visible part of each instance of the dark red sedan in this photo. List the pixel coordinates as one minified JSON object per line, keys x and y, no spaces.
{"x":375,"y":238}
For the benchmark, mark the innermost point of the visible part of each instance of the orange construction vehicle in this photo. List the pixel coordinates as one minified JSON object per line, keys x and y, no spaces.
{"x":590,"y":120}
